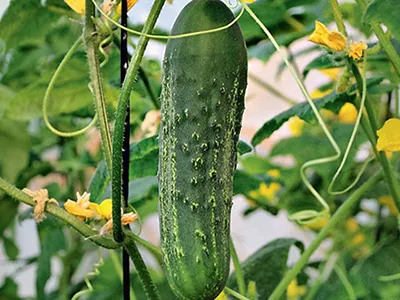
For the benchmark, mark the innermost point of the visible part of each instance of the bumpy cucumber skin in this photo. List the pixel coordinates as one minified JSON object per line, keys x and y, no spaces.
{"x":202,"y":105}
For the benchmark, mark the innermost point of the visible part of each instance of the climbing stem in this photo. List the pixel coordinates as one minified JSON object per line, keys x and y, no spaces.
{"x":338,"y":17}
{"x":238,"y":269}
{"x":91,"y":39}
{"x":120,"y":118}
{"x":338,"y":217}
{"x":144,"y":275}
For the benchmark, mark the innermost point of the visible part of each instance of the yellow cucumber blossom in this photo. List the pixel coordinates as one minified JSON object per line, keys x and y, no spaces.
{"x":82,"y":207}
{"x":348,"y":113}
{"x":356,"y":50}
{"x":126,"y":219}
{"x":108,"y":5}
{"x":294,"y":291}
{"x":388,"y":201}
{"x":389,"y":136}
{"x":296,"y":125}
{"x":334,"y":40}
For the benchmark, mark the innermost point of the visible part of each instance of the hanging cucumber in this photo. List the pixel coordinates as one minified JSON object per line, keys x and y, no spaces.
{"x":202,"y":105}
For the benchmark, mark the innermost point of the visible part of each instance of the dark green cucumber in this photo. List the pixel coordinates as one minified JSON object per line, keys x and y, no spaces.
{"x":202,"y":105}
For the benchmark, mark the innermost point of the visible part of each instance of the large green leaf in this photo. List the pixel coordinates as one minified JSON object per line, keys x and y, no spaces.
{"x":26,"y":23}
{"x":10,"y":247}
{"x":266,"y":267}
{"x":386,"y":12}
{"x":14,"y":145}
{"x":6,"y":95}
{"x":303,"y":110}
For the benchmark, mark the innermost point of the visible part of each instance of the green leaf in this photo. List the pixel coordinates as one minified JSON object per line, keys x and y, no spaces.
{"x":386,"y":12}
{"x":326,"y":61}
{"x":143,"y":162}
{"x":10,"y":248}
{"x":365,"y":279}
{"x":9,"y":290}
{"x":332,"y":102}
{"x":9,"y":205}
{"x":6,"y":95}
{"x":26,"y":23}
{"x":14,"y":145}
{"x":52,"y":240}
{"x":266,"y":267}
{"x":244,"y":148}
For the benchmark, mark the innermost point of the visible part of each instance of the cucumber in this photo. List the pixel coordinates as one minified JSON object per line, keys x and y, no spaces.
{"x":202,"y":105}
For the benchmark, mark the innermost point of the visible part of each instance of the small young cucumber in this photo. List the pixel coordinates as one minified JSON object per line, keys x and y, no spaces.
{"x":202,"y":104}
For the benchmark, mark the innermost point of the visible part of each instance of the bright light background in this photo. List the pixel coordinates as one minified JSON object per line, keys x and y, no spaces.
{"x":248,"y":233}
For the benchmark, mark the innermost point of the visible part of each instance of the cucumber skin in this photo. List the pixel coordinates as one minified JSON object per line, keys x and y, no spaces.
{"x":202,"y":105}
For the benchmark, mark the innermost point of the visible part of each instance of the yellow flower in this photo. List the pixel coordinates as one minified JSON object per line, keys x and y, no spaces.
{"x":348,"y":113}
{"x":269,"y":191}
{"x":296,"y":126}
{"x":83,"y":208}
{"x":319,"y":94}
{"x":274,"y":173}
{"x":79,"y":6}
{"x":357,"y":49}
{"x":294,"y":291}
{"x":105,"y":209}
{"x":319,"y":224}
{"x":388,"y":201}
{"x":125,"y":220}
{"x":389,"y":136}
{"x":358,"y":239}
{"x":332,"y":73}
{"x":352,"y":225}
{"x":222,"y":296}
{"x":332,"y":39}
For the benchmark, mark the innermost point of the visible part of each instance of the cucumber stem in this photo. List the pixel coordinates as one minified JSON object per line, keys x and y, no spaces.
{"x":338,"y":217}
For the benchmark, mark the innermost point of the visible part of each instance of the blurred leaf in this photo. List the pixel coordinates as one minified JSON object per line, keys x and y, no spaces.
{"x":9,"y":290}
{"x":324,"y":61}
{"x":332,"y":102}
{"x":266,"y":267}
{"x":35,"y":21}
{"x":10,"y":248}
{"x":295,"y":55}
{"x":14,"y":145}
{"x":365,"y":277}
{"x":386,"y":12}
{"x":6,"y":95}
{"x":9,"y":205}
{"x":244,"y":148}
{"x":265,"y":49}
{"x":354,"y":15}
{"x":52,"y":240}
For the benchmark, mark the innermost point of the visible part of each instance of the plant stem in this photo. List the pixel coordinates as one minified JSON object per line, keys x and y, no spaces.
{"x":391,"y":179}
{"x":271,"y":89}
{"x":396,"y":103}
{"x":338,"y":17}
{"x":148,"y":284}
{"x":120,"y":118}
{"x":235,"y":294}
{"x":383,"y":39}
{"x":238,"y":269}
{"x":150,"y":247}
{"x":61,"y":214}
{"x":91,"y":39}
{"x":338,"y":217}
{"x":117,"y":265}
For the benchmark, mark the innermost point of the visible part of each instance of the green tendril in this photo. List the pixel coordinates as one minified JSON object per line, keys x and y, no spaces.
{"x":352,"y":139}
{"x":235,"y":294}
{"x":94,"y":273}
{"x":346,"y":283}
{"x":307,"y":216}
{"x":390,"y":277}
{"x":168,"y":37}
{"x":50,"y":87}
